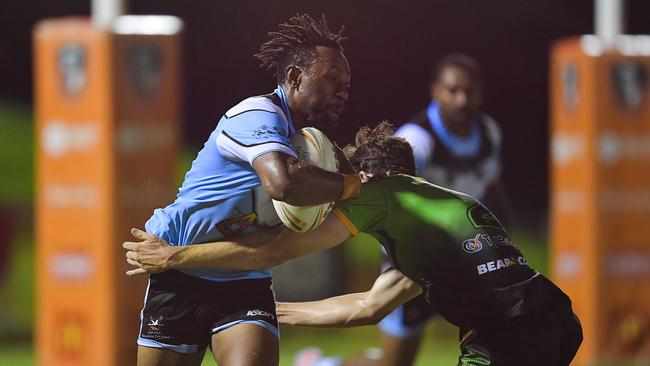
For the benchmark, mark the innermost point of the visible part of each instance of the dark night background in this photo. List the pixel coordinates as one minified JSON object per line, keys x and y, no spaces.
{"x":391,"y":48}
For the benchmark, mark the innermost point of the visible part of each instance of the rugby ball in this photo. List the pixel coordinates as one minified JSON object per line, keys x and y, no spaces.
{"x":312,"y":146}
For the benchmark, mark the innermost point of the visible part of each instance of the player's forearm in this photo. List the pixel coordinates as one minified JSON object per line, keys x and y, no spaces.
{"x":342,"y":311}
{"x":261,"y":249}
{"x":299,"y":183}
{"x":309,"y":185}
{"x":390,"y":290}
{"x":251,"y":252}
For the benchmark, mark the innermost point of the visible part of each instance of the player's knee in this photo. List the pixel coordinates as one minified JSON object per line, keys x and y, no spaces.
{"x":247,"y":345}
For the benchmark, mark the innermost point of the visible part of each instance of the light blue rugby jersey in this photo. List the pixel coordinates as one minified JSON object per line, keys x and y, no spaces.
{"x":222,"y":195}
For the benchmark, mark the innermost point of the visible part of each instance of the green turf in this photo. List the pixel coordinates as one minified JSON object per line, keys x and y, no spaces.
{"x":16,"y":354}
{"x":16,"y":154}
{"x":353,"y":342}
{"x":435,"y":351}
{"x":17,"y":293}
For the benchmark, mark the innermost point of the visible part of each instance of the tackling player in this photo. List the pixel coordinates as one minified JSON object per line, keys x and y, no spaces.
{"x":247,"y":160}
{"x":455,"y":146}
{"x":444,"y":246}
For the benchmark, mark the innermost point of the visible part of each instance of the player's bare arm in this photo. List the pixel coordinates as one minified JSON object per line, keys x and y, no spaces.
{"x":258,"y":250}
{"x":153,"y":254}
{"x":298,"y":183}
{"x":390,"y":290}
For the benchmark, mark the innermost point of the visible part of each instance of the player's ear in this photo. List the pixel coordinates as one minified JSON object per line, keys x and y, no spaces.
{"x":294,"y":76}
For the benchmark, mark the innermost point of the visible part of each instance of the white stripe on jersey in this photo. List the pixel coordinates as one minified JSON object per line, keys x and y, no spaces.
{"x":232,"y":150}
{"x":236,"y":151}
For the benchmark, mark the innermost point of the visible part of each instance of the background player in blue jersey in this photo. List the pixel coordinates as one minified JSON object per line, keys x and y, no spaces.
{"x":456,"y":145}
{"x":247,"y":160}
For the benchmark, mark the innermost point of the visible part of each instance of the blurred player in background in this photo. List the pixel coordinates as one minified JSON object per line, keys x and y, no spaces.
{"x":444,"y":247}
{"x":247,"y":160}
{"x":454,"y":144}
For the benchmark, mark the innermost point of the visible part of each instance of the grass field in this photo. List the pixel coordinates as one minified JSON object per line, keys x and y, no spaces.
{"x":436,"y":350}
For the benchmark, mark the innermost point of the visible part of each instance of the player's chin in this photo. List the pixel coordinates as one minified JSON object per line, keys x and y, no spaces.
{"x":325,"y":121}
{"x":332,"y":118}
{"x":460,"y":116}
{"x":463,"y":115}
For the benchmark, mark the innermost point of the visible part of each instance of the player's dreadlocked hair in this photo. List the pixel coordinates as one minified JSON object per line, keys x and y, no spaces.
{"x":379,"y":153}
{"x":295,"y":44}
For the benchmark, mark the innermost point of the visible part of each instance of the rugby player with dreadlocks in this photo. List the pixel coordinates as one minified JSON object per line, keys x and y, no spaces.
{"x":247,"y":160}
{"x":443,"y":245}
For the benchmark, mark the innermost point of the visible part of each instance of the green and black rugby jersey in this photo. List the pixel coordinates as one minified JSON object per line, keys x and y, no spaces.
{"x":445,"y":241}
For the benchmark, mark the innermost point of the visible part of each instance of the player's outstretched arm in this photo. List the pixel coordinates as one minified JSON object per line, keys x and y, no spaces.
{"x":390,"y":290}
{"x":259,"y":250}
{"x":153,"y":254}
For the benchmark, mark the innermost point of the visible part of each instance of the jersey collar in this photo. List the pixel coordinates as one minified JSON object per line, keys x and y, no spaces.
{"x":285,"y":108}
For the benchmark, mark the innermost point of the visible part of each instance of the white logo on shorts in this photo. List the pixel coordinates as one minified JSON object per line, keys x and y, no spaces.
{"x":258,"y":312}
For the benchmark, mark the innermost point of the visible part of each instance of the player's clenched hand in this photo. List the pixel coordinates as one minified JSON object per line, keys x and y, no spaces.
{"x":150,"y":255}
